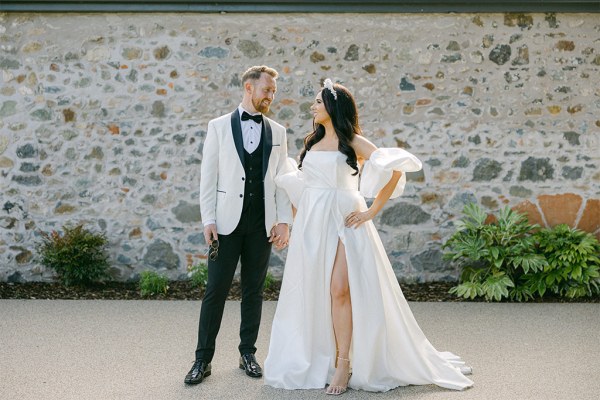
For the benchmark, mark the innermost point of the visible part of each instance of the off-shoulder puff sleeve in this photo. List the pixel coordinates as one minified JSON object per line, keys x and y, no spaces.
{"x":377,"y":170}
{"x":291,"y":180}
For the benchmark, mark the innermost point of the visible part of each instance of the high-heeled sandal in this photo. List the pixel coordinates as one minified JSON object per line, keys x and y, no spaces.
{"x":337,"y":390}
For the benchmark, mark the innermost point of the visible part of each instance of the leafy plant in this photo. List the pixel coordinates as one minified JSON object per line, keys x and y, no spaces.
{"x":495,"y":256}
{"x":151,"y":283}
{"x":573,"y":263}
{"x":269,"y":280}
{"x":78,"y":256}
{"x":198,"y":274}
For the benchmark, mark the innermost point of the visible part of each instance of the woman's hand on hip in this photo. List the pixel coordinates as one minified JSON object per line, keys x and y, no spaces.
{"x":357,"y":218}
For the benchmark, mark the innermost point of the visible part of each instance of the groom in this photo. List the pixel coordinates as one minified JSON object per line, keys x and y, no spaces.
{"x":243,"y":214}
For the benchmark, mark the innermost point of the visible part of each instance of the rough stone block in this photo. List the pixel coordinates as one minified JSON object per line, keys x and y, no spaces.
{"x":430,"y":261}
{"x":8,"y":108}
{"x":404,"y":214}
{"x":160,"y":255}
{"x":486,"y":169}
{"x":536,"y":169}
{"x":500,"y":54}
{"x":186,"y":212}
{"x":251,"y":48}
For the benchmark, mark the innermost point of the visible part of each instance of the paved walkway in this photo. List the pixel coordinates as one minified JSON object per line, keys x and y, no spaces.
{"x":126,"y":350}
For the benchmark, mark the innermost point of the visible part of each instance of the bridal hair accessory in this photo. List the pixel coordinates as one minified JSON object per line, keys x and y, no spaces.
{"x":328,"y":84}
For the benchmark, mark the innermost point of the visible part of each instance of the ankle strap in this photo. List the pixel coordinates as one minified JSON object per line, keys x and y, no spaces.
{"x":343,"y":359}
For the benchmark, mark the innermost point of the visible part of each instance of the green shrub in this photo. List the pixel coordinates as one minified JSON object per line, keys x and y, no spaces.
{"x":495,"y":257}
{"x":151,"y":283}
{"x":269,"y":280}
{"x":78,"y":256}
{"x":198,"y":275}
{"x":573,"y":263}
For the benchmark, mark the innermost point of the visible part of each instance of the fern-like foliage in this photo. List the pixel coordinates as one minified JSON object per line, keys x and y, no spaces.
{"x":573,"y":262}
{"x":510,"y":259}
{"x":494,"y":256}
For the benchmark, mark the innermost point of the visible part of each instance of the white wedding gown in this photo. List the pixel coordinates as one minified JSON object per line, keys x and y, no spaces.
{"x":388,"y":347}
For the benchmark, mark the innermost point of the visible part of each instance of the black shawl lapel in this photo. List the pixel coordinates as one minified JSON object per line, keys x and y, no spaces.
{"x":236,"y":128}
{"x":267,"y":143}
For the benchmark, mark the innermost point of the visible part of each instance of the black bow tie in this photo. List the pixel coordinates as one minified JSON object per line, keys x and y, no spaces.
{"x":256,"y":118}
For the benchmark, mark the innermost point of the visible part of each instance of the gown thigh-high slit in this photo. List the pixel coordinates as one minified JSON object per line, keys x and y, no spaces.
{"x":388,"y":348}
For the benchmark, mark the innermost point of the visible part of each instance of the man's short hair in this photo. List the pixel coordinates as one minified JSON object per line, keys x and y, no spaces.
{"x":255,"y":72}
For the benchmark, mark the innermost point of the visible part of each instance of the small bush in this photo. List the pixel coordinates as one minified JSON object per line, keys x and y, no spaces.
{"x":573,"y":263}
{"x":512,"y":259}
{"x":198,"y":275}
{"x":78,"y":256}
{"x":495,"y":257}
{"x":151,"y":283}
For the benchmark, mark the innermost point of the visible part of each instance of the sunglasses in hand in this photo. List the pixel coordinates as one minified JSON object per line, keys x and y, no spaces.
{"x":213,"y":250}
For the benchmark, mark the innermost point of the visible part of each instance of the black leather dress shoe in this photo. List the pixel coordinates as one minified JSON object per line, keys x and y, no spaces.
{"x":199,"y":371}
{"x":249,"y":364}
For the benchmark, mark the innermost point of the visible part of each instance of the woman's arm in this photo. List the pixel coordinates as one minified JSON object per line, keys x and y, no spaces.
{"x":384,"y":194}
{"x":357,"y":218}
{"x":364,"y":148}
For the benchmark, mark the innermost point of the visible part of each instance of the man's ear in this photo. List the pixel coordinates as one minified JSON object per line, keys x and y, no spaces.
{"x":248,"y":87}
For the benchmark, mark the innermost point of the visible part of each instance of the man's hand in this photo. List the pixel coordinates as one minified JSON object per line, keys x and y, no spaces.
{"x":210,"y":233}
{"x":280,"y":235}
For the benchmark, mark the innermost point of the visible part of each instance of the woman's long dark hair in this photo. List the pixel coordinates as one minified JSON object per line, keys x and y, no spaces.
{"x":344,"y":116}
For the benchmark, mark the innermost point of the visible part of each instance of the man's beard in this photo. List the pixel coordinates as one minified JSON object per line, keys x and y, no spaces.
{"x":260,"y":106}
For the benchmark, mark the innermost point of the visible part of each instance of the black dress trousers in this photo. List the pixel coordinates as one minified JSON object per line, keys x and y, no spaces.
{"x":248,"y":244}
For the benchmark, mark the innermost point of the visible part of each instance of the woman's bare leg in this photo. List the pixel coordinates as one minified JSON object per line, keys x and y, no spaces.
{"x":341,"y":313}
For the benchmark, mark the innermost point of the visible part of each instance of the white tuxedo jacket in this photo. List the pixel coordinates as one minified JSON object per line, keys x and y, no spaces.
{"x":222,"y":173}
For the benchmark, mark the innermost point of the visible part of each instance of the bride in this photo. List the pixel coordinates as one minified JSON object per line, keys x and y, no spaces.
{"x":342,"y":320}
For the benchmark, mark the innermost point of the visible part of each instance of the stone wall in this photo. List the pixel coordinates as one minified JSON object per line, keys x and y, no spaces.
{"x":103,"y":116}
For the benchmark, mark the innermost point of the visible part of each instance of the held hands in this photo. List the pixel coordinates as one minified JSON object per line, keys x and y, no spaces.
{"x":280,"y":235}
{"x":357,"y":218}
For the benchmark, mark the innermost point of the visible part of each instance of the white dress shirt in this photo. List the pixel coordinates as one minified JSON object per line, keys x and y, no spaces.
{"x":251,"y":131}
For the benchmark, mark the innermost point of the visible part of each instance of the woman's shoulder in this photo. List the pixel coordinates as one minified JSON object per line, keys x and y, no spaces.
{"x":362,"y":146}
